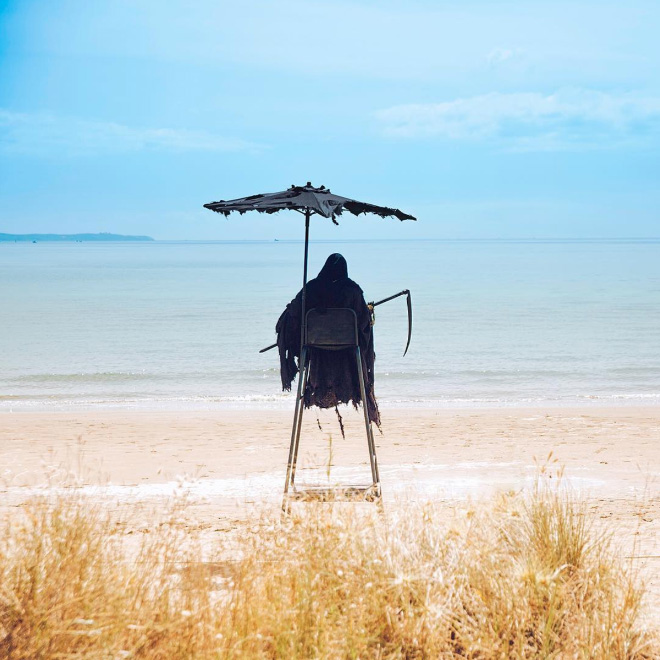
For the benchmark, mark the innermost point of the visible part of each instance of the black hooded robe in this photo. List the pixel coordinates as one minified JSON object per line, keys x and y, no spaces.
{"x":333,"y":377}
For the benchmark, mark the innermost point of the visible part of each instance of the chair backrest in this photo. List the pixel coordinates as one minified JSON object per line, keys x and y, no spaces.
{"x":331,"y":329}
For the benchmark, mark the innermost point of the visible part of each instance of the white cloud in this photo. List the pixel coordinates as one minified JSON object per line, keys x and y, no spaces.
{"x":41,"y":134}
{"x":529,"y":120}
{"x":499,"y":55}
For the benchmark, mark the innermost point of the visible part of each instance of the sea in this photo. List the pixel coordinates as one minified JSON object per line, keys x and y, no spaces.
{"x":179,"y":325}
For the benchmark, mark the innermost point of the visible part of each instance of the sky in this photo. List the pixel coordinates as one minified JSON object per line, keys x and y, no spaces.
{"x":527,"y":119}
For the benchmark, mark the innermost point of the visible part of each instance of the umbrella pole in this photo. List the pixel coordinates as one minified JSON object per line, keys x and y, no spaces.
{"x":302,"y":381}
{"x":303,"y":321}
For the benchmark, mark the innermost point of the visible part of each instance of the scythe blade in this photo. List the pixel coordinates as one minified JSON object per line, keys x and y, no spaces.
{"x":409,"y":301}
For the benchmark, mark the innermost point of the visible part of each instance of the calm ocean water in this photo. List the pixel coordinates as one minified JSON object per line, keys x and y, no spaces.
{"x":179,"y":325}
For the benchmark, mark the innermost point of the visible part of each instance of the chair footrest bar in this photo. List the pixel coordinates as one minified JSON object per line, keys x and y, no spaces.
{"x":337,"y":493}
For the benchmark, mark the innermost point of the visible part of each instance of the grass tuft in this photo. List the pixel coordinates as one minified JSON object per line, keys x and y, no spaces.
{"x":521,"y":577}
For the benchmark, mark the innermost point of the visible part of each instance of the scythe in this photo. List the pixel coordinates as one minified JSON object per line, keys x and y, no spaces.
{"x":405,"y":292}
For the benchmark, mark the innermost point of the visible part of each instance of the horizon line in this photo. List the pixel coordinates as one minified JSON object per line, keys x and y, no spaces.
{"x":409,"y":240}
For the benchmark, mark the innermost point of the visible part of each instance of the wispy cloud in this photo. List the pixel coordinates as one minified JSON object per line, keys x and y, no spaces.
{"x":500,"y":55}
{"x":569,"y":118}
{"x":42,"y":134}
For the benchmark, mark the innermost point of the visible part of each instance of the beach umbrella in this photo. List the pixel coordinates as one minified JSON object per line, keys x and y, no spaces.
{"x":307,"y":200}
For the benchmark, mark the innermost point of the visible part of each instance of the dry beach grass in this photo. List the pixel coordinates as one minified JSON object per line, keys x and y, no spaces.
{"x":523,"y":575}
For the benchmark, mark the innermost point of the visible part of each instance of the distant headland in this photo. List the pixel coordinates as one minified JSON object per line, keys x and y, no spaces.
{"x":71,"y":237}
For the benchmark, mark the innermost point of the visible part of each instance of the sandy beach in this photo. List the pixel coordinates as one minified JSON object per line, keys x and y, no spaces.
{"x":611,"y":453}
{"x":229,"y":462}
{"x":230,"y":458}
{"x":455,"y":453}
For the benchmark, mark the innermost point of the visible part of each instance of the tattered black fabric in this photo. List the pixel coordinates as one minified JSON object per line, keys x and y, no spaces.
{"x":304,"y":198}
{"x":333,"y":377}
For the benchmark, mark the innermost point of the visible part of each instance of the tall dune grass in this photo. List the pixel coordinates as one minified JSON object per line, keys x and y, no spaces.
{"x":521,"y":577}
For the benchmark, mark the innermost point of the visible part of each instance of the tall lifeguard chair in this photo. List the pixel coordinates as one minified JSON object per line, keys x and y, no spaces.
{"x":332,"y":329}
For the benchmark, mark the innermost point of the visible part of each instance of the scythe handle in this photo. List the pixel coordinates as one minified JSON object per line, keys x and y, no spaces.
{"x":405,"y":292}
{"x":384,"y":300}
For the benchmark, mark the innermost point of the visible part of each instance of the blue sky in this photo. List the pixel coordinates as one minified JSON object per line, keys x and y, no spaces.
{"x":484,"y":119}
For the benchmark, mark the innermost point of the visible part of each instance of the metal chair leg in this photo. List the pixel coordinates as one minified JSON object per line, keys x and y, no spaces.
{"x":304,"y":376}
{"x":367,"y":425}
{"x":373,"y":450}
{"x":295,"y":431}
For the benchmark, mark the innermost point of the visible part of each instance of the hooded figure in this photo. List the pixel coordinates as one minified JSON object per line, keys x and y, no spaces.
{"x":333,"y":378}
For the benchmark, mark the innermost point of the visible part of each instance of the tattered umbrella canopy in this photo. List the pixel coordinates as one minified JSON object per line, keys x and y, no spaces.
{"x":304,"y":199}
{"x":309,"y":201}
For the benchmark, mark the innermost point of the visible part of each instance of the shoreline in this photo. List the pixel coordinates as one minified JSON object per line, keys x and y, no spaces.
{"x":286,"y":404}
